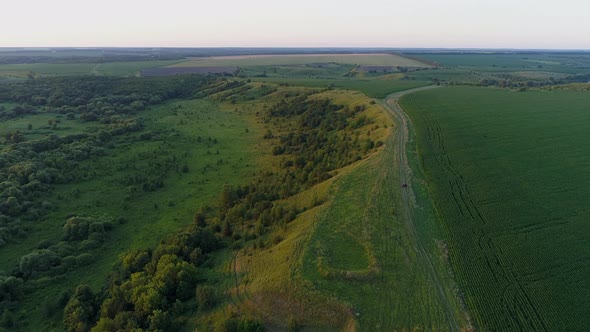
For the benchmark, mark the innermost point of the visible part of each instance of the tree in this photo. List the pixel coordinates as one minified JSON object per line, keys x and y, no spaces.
{"x":80,"y":312}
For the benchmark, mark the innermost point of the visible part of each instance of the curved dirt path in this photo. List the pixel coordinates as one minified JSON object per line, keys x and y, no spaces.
{"x":391,"y":103}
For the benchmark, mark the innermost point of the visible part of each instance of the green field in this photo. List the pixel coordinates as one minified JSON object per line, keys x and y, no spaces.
{"x":303,"y":59}
{"x":67,"y":69}
{"x":508,"y":173}
{"x":555,"y":62}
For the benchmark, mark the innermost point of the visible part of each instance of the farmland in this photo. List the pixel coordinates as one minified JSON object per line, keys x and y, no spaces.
{"x":61,"y":69}
{"x":305,"y":59}
{"x":507,"y":172}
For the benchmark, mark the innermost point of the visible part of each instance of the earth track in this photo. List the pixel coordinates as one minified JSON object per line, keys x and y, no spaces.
{"x":391,"y":103}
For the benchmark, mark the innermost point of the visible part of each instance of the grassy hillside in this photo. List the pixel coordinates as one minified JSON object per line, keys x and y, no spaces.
{"x":507,"y":171}
{"x":350,"y":262}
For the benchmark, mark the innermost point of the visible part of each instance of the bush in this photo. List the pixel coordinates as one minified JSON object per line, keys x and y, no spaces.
{"x":206,"y":297}
{"x":37,"y":261}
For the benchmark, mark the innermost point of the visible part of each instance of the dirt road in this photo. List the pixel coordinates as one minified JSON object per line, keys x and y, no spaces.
{"x":409,"y":202}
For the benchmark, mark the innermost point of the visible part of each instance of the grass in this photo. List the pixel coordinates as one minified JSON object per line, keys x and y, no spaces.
{"x":41,"y":128}
{"x":507,"y":171}
{"x":275,"y":60}
{"x":151,"y":215}
{"x":374,"y":88}
{"x":366,"y":208}
{"x":349,"y":263}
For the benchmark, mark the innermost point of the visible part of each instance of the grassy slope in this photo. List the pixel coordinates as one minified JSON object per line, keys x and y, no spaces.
{"x":105,"y":193}
{"x":359,"y":59}
{"x":367,"y":266}
{"x":375,"y":88}
{"x":507,"y":171}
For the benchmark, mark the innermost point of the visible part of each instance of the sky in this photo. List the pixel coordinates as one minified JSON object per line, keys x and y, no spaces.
{"x":520,"y":24}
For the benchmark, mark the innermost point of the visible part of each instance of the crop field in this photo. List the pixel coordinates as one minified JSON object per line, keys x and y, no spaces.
{"x":508,"y":172}
{"x":565,"y":63}
{"x":303,"y":59}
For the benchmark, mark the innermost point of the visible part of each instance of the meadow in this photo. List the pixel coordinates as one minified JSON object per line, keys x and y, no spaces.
{"x":507,"y":172}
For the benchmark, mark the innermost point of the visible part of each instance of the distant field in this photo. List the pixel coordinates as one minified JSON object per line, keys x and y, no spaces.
{"x":302,"y":59}
{"x":555,"y":62}
{"x":107,"y":68}
{"x":509,"y":173}
{"x":169,"y":71}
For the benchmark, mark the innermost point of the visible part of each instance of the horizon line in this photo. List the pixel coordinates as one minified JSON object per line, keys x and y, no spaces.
{"x":300,"y":47}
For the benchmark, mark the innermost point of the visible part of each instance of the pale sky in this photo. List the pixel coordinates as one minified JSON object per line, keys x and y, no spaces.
{"x":300,"y":23}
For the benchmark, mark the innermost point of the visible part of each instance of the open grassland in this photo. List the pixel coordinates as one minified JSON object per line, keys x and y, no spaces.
{"x":67,"y":69}
{"x":209,"y":138}
{"x":302,"y":59}
{"x":508,"y":172}
{"x":42,"y":124}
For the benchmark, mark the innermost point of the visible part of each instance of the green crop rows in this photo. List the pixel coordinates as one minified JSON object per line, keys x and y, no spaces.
{"x":508,"y":172}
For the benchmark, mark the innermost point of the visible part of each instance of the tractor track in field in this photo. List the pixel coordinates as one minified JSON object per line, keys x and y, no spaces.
{"x":408,"y":200}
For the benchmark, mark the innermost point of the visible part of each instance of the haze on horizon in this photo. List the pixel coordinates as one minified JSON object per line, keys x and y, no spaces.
{"x":539,"y":24}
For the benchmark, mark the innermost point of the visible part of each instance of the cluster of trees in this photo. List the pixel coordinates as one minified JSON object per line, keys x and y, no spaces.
{"x":147,"y":288}
{"x":16,"y":111}
{"x":150,"y":289}
{"x":31,"y":168}
{"x":104,"y":99}
{"x":81,"y":235}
